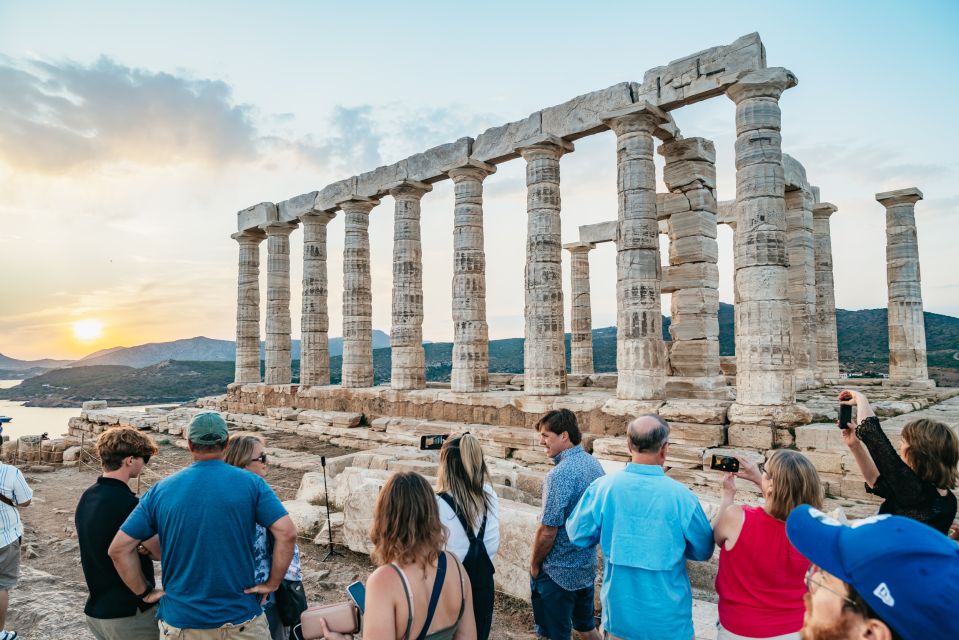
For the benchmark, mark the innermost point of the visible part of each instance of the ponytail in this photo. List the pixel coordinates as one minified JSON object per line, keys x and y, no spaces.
{"x":463,"y":474}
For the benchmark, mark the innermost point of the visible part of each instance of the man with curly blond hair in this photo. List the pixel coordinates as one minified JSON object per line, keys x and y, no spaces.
{"x":113,"y":611}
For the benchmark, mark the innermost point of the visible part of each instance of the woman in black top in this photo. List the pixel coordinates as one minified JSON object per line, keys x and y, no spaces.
{"x":916,"y":481}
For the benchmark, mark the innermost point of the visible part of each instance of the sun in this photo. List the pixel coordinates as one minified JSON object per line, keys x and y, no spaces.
{"x":86,"y":330}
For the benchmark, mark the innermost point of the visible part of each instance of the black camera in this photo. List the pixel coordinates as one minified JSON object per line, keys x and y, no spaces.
{"x":431,"y":443}
{"x":845,"y":415}
{"x":724,"y":463}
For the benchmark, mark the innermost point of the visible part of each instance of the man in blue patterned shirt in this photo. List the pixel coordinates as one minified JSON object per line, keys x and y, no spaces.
{"x":562,"y":575}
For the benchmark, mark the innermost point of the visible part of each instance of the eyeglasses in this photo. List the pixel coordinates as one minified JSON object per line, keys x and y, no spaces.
{"x":260,"y":458}
{"x":762,"y":467}
{"x":146,"y":459}
{"x":810,"y":583}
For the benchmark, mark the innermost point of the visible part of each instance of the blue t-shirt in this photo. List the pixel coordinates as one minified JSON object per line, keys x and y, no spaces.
{"x":569,"y":566}
{"x":205,"y":517}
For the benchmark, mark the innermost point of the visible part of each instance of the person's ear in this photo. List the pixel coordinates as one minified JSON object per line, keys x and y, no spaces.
{"x":873,"y":629}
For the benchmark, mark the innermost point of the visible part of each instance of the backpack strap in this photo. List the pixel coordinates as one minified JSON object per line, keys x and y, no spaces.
{"x":409,"y":600}
{"x":435,"y":596}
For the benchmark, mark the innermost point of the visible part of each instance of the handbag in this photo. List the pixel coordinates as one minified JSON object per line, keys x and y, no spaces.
{"x":342,"y":617}
{"x":290,"y":602}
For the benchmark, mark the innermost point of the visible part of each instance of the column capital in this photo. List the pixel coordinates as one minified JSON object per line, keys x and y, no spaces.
{"x":361,"y":204}
{"x":641,"y":116}
{"x":322,"y":217}
{"x":762,"y":83}
{"x":824,"y":209}
{"x":543,"y":143}
{"x":579,"y":247}
{"x":910,"y":195}
{"x":472,"y":170}
{"x":278,"y":228}
{"x":252,"y":236}
{"x":409,"y":189}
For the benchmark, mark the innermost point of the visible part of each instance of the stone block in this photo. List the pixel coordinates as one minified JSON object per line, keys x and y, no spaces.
{"x":694,"y":357}
{"x":328,"y":197}
{"x":750,"y":436}
{"x":694,"y":327}
{"x":498,"y":144}
{"x":422,"y":467}
{"x":599,"y":232}
{"x":688,"y":149}
{"x":747,"y":454}
{"x":692,"y":223}
{"x":433,"y":163}
{"x":698,"y":300}
{"x":689,"y":433}
{"x":693,"y":249}
{"x":306,"y":516}
{"x":93,"y":405}
{"x":771,"y":415}
{"x":258,"y":214}
{"x":819,"y":437}
{"x":71,"y":454}
{"x":581,"y":116}
{"x":692,"y":275}
{"x":291,"y":209}
{"x":322,"y":538}
{"x":687,"y":172}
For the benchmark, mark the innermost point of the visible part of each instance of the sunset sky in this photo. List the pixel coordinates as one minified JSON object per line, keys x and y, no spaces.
{"x":131,"y":133}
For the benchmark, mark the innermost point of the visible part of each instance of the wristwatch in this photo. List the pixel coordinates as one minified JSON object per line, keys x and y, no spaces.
{"x":145,"y":593}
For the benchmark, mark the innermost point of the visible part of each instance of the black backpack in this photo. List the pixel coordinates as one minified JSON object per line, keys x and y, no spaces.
{"x":479,"y":568}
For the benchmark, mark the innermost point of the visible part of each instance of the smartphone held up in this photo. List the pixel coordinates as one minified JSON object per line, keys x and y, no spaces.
{"x":432,"y":443}
{"x":724,"y":463}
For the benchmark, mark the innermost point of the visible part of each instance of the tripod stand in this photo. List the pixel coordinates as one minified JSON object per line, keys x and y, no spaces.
{"x":329,"y":525}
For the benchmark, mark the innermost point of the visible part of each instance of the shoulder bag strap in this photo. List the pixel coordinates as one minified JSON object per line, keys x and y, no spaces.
{"x":5,"y":500}
{"x":409,"y":600}
{"x":435,"y":596}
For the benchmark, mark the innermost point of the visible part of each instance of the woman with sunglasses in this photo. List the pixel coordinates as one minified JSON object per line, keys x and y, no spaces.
{"x":246,"y":451}
{"x":760,"y":582}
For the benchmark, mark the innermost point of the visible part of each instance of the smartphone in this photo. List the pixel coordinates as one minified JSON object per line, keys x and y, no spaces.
{"x":845,"y":415}
{"x":431,"y":443}
{"x":724,"y":463}
{"x":357,"y":593}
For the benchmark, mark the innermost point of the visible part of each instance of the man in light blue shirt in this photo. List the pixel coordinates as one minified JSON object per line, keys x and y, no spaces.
{"x":647,"y":525}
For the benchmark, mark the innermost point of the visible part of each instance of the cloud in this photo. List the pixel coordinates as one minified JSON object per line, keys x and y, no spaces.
{"x":57,"y":117}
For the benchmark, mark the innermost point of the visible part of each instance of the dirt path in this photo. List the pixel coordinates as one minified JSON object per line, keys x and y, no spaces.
{"x":48,"y":602}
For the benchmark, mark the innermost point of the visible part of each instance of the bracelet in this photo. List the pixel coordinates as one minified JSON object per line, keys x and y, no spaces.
{"x":145,"y":593}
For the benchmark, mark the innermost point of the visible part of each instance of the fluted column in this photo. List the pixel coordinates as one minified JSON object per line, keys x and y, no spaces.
{"x":640,"y":349}
{"x":765,"y":389}
{"x":279,"y":353}
{"x":406,"y":334}
{"x":907,"y":331}
{"x":544,"y":355}
{"x":357,"y":294}
{"x":470,"y":372}
{"x":802,"y":287}
{"x":827,"y":343}
{"x":581,"y":318}
{"x":315,"y":319}
{"x":690,"y":176}
{"x":248,"y":307}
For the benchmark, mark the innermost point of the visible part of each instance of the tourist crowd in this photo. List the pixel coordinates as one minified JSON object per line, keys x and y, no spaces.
{"x":787,"y":570}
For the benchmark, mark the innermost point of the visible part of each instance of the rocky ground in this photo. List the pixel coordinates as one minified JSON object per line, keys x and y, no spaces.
{"x":48,"y":602}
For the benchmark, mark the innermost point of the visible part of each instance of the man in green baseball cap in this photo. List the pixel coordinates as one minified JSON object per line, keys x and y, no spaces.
{"x":205,"y":516}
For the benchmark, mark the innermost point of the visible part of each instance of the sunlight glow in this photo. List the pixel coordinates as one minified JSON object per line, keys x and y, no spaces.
{"x":89,"y":329}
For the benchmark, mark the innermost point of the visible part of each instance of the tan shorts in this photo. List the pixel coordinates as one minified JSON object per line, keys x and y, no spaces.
{"x":10,"y":565}
{"x":255,"y":629}
{"x":140,"y":626}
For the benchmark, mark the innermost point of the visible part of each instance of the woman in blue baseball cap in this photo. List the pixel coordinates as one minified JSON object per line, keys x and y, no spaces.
{"x":916,"y":481}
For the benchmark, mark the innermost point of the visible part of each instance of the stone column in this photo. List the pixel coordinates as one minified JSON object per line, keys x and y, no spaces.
{"x":406,"y":334}
{"x":357,"y":294}
{"x":765,"y":390}
{"x":693,"y":275}
{"x":248,"y":307}
{"x":581,"y":318}
{"x":640,"y":349}
{"x":907,"y":330}
{"x":470,"y":371}
{"x":279,"y":349}
{"x":315,"y":319}
{"x":827,"y":343}
{"x":802,"y":287}
{"x":544,"y":355}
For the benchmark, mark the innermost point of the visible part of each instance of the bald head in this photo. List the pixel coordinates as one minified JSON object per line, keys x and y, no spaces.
{"x":647,"y":433}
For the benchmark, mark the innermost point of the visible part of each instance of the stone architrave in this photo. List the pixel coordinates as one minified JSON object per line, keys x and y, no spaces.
{"x":315,"y":318}
{"x":357,"y":294}
{"x":802,"y":287}
{"x":248,"y":307}
{"x":544,"y":350}
{"x":640,"y":348}
{"x":690,"y":175}
{"x":406,"y":334}
{"x":470,"y":367}
{"x":827,"y":342}
{"x":581,"y":319}
{"x":907,"y":331}
{"x":764,"y":363}
{"x":279,"y":348}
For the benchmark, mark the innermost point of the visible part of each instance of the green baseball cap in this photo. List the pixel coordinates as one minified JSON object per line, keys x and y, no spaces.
{"x":208,"y":427}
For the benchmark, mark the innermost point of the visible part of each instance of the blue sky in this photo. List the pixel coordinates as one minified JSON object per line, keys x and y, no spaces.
{"x":130,"y":134}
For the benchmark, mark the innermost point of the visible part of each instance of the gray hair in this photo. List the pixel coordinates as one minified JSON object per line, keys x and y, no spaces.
{"x":650,"y":439}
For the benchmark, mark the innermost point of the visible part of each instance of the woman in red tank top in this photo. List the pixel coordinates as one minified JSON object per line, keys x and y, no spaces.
{"x":761,"y":579}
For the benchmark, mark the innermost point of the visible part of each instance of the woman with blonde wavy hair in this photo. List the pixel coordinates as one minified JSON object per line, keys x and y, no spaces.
{"x":420,"y":591}
{"x":761,"y":580}
{"x":469,"y":509}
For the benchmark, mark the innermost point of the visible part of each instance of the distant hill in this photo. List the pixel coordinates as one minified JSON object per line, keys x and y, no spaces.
{"x":13,"y":369}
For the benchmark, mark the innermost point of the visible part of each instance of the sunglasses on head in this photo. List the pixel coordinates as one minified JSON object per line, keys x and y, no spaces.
{"x":146,"y":459}
{"x":261,"y":458}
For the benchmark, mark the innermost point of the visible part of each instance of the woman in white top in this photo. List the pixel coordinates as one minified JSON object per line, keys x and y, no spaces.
{"x":469,"y":509}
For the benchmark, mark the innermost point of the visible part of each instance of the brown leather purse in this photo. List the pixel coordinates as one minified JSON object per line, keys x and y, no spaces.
{"x":342,"y":617}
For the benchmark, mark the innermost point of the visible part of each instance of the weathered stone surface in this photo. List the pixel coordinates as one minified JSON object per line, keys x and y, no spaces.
{"x":93,"y":405}
{"x":256,"y":216}
{"x":692,"y":411}
{"x":292,"y":209}
{"x":357,"y":295}
{"x":279,"y":348}
{"x":306,"y":516}
{"x":314,"y":319}
{"x":581,"y":320}
{"x":802,"y":282}
{"x":599,"y":232}
{"x":689,"y":276}
{"x":750,"y":435}
{"x":329,"y":197}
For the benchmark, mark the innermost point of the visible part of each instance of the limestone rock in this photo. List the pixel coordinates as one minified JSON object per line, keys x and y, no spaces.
{"x":305,"y":515}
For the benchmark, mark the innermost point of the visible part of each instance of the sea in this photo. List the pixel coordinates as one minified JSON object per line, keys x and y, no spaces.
{"x":33,"y":421}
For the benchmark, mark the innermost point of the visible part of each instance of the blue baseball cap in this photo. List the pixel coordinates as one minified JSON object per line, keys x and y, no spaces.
{"x":907,"y":572}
